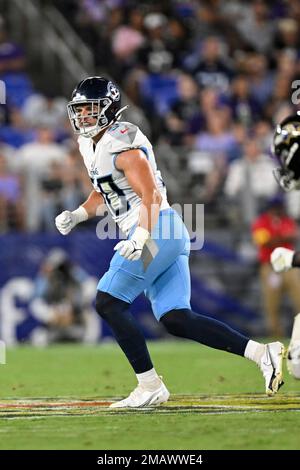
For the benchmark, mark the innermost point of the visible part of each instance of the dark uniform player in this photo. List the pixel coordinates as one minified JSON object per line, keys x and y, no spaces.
{"x":286,"y":148}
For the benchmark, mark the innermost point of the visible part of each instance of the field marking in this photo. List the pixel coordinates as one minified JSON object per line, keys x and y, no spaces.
{"x":31,"y":405}
{"x":45,"y":407}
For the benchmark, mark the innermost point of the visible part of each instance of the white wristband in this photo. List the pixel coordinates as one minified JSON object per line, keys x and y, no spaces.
{"x":80,"y":214}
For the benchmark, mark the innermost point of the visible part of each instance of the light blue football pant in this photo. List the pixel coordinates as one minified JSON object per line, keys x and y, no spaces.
{"x":162,"y":272}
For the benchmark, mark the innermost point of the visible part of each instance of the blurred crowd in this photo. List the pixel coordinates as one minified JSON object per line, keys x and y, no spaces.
{"x":212,"y":77}
{"x":41,"y":171}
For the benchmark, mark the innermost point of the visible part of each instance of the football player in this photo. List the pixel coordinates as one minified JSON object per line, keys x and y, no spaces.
{"x":286,"y":149}
{"x":154,"y":258}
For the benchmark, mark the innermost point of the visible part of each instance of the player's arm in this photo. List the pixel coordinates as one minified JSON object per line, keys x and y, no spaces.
{"x":94,"y":205}
{"x":140,"y":176}
{"x":67,"y":220}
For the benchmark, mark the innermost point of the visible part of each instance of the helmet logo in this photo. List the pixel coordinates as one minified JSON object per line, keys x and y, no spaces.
{"x":113,"y":91}
{"x":79,"y":97}
{"x":291,"y":127}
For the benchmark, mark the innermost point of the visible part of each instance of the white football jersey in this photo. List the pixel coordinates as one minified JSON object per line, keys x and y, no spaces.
{"x":123,"y":203}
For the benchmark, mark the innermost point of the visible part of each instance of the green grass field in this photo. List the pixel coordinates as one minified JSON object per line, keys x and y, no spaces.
{"x":57,"y":398}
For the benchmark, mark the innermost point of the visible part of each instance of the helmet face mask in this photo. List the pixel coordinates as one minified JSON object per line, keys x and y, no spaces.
{"x":83,"y":113}
{"x":94,"y":106}
{"x":285,"y":179}
{"x":286,"y":150}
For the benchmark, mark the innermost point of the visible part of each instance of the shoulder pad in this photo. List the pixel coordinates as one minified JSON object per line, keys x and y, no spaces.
{"x":125,"y":131}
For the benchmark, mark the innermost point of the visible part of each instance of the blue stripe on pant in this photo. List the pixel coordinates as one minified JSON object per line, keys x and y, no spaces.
{"x":166,"y":280}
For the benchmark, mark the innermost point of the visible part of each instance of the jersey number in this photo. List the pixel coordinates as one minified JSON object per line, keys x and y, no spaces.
{"x":114,"y":196}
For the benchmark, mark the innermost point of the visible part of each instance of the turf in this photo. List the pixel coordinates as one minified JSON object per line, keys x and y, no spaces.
{"x":56,"y":398}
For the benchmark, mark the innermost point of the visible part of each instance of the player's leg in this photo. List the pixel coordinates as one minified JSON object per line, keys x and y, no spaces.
{"x":170,"y":299}
{"x":117,"y":289}
{"x":185,"y":323}
{"x":125,"y":329}
{"x":123,"y":282}
{"x":170,"y":295}
{"x":151,"y":390}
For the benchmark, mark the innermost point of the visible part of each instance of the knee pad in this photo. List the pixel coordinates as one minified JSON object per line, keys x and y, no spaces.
{"x":107,"y":305}
{"x":175,"y":321}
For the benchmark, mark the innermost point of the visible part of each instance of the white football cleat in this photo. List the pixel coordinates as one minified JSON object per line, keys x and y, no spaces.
{"x":142,"y":397}
{"x":271,"y":367}
{"x":293,"y":359}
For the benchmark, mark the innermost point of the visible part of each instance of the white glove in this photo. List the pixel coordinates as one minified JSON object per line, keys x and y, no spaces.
{"x":132,"y":249}
{"x":67,"y":220}
{"x":281,"y":259}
